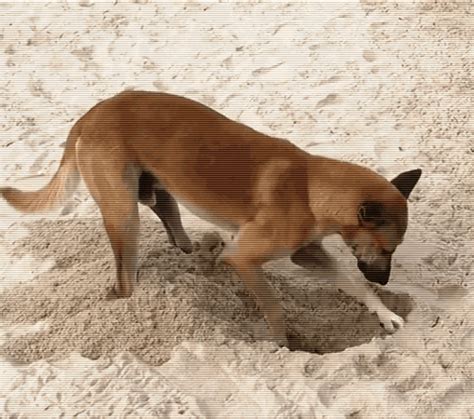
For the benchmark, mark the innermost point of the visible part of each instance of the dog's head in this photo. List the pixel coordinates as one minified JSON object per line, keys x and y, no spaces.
{"x":381,"y":228}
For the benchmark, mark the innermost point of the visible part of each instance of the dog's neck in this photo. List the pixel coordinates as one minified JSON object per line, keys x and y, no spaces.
{"x":337,"y":189}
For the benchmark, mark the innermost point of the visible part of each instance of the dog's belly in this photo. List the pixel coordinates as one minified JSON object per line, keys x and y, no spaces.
{"x":210,"y":218}
{"x":202,"y":213}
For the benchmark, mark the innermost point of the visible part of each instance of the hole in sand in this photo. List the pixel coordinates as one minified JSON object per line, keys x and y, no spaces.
{"x":336,"y":321}
{"x":178,"y":297}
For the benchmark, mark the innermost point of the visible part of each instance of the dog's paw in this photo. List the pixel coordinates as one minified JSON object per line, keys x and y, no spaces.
{"x":212,"y":243}
{"x":390,"y":321}
{"x":111,"y":294}
{"x":185,"y":245}
{"x":211,"y":247}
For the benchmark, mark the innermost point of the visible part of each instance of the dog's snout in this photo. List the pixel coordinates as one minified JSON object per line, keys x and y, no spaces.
{"x":372,"y":274}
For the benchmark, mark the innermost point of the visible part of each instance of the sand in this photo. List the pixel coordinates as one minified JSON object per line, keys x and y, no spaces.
{"x":382,"y":84}
{"x":178,"y":298}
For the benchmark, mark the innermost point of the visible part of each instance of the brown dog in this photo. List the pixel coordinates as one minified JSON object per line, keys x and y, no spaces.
{"x":157,"y":149}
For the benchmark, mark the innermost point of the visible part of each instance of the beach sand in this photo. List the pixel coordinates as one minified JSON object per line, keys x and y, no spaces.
{"x":383,"y":84}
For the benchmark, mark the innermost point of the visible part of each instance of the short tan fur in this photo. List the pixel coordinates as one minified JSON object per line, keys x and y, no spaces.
{"x":160,"y":149}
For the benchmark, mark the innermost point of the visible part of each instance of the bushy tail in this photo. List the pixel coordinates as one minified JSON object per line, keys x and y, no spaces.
{"x":56,"y":192}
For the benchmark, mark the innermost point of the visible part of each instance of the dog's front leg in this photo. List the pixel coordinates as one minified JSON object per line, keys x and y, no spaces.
{"x":246,"y":254}
{"x":315,"y":258}
{"x":359,"y":289}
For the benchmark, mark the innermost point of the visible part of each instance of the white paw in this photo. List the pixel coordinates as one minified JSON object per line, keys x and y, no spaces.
{"x":390,"y":321}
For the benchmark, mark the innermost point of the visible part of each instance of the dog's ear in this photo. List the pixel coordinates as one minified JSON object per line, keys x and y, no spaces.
{"x":406,"y":181}
{"x":371,"y":213}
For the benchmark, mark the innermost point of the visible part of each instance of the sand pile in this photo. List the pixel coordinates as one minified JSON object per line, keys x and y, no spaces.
{"x":178,"y":298}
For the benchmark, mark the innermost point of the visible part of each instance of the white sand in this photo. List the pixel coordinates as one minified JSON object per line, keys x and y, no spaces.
{"x":381,"y":84}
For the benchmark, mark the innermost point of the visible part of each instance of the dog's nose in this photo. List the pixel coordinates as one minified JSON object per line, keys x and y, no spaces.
{"x":381,"y":277}
{"x":373,"y":274}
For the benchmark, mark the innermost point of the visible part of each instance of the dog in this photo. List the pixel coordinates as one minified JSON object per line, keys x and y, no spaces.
{"x":160,"y":149}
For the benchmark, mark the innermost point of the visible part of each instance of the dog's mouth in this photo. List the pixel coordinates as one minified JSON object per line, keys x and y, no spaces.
{"x":374,"y":274}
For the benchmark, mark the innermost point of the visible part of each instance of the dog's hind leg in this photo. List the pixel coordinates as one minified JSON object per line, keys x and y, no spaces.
{"x":152,"y":194}
{"x":114,"y":187}
{"x":166,"y":208}
{"x":123,"y":230}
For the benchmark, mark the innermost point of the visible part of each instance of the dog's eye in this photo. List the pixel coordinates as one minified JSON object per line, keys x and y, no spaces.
{"x":385,"y":252}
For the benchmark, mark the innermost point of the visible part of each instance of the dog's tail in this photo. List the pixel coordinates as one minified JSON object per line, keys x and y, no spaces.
{"x":57,"y":191}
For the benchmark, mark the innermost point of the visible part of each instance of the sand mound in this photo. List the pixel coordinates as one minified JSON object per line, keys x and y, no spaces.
{"x":178,"y":297}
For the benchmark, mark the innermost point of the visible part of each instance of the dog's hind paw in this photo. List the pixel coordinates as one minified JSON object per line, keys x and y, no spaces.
{"x":390,"y":321}
{"x":185,"y":245}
